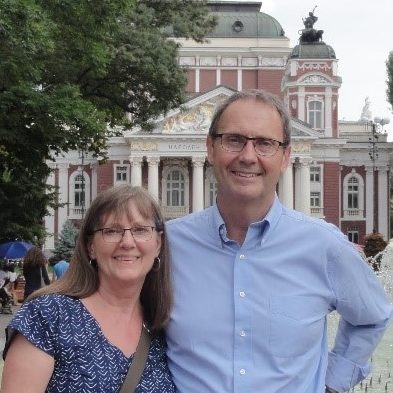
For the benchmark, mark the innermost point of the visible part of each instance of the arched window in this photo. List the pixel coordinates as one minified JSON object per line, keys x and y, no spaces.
{"x":315,"y":114}
{"x":353,"y":195}
{"x":79,"y":191}
{"x":175,"y":186}
{"x":79,"y":196}
{"x":175,"y":189}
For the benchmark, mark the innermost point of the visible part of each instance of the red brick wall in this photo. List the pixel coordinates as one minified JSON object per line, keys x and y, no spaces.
{"x":331,"y":198}
{"x":250,"y":79}
{"x":190,"y":88}
{"x":207,"y":80}
{"x":229,"y":78}
{"x":270,"y":80}
{"x":105,"y":176}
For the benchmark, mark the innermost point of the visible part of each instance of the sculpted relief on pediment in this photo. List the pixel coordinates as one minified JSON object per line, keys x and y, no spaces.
{"x":195,"y":120}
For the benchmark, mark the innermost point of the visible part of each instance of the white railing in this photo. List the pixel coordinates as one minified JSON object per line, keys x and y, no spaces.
{"x":174,"y":211}
{"x":356,"y":213}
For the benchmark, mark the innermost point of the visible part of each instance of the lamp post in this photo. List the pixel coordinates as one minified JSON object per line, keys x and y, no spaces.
{"x":376,"y":129}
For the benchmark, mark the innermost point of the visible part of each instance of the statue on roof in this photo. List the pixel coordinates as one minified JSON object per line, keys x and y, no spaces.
{"x":309,"y":34}
{"x":366,"y":110}
{"x":310,"y":20}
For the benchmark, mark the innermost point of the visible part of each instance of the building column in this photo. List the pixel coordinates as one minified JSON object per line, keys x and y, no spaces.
{"x":286,"y":187}
{"x":383,"y":207}
{"x":328,"y":112}
{"x":218,"y":71}
{"x":152,"y":182}
{"x":302,"y":186}
{"x":197,"y":183}
{"x":305,"y":187}
{"x":301,"y":103}
{"x":50,"y":218}
{"x":197,"y":75}
{"x":369,"y":199}
{"x":62,"y":212}
{"x":136,"y":170}
{"x":94,"y":182}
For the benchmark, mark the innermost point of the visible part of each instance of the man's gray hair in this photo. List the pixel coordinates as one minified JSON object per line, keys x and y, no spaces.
{"x":260,"y":96}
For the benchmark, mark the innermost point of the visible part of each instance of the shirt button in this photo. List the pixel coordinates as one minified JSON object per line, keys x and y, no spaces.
{"x":242,"y":333}
{"x":242,"y":371}
{"x":242,"y":256}
{"x":242,"y":294}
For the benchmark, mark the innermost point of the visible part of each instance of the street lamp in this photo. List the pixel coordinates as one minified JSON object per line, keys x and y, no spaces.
{"x":376,"y":129}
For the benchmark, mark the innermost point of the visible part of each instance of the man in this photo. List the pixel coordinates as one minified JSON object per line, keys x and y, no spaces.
{"x":60,"y":268}
{"x":254,"y":281}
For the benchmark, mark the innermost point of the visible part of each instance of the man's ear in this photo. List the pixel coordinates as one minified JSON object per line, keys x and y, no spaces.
{"x":209,"y":147}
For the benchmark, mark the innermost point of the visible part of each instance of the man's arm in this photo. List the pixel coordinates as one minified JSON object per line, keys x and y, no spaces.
{"x":365,"y":315}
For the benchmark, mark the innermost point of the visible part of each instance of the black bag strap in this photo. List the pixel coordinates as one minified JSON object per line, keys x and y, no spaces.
{"x":138,"y":363}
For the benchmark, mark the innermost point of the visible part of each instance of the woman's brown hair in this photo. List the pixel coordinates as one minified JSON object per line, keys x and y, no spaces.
{"x":82,"y":280}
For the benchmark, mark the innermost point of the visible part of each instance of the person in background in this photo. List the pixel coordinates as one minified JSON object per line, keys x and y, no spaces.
{"x":254,"y":281}
{"x":80,"y":333}
{"x":34,"y":270}
{"x":59,"y":268}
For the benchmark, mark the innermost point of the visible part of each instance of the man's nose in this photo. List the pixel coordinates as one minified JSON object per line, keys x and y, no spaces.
{"x":248,"y":153}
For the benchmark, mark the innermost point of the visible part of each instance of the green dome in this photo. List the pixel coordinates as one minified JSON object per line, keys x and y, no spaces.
{"x":246,"y":25}
{"x":313,"y":50}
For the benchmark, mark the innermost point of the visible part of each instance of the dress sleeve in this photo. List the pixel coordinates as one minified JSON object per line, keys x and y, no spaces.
{"x":37,"y":320}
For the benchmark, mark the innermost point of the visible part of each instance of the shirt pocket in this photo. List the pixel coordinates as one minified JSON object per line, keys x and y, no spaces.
{"x":297,"y":324}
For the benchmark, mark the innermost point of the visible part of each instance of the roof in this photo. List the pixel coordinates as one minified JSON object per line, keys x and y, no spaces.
{"x":243,"y":19}
{"x":313,"y":50}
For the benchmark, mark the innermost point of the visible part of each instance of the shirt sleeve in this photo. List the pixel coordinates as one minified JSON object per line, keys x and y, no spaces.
{"x":365,"y":313}
{"x":36,"y":320}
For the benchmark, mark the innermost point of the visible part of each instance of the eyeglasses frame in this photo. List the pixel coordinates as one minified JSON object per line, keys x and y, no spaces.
{"x":128,"y":229}
{"x":280,"y":144}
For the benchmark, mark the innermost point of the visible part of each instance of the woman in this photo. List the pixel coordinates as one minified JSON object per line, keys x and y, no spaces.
{"x":80,"y":333}
{"x":34,"y":270}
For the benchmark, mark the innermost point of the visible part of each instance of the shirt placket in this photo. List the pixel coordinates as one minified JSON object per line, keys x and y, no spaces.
{"x":242,"y":324}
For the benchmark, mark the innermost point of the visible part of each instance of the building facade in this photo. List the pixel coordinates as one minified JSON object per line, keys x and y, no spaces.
{"x":333,"y":174}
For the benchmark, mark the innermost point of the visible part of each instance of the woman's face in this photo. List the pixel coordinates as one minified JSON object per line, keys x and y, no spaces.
{"x":124,"y":259}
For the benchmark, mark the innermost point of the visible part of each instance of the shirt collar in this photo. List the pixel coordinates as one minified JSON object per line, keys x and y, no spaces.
{"x":264,"y":226}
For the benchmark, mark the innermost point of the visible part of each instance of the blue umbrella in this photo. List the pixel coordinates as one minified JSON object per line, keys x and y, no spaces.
{"x":14,"y":250}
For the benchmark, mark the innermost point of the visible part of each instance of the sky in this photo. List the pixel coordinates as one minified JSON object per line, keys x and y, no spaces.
{"x":361,"y":34}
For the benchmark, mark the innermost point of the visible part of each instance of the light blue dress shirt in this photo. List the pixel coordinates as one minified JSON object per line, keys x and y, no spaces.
{"x":252,"y":318}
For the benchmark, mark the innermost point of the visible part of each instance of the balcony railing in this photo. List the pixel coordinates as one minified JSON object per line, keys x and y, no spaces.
{"x":174,"y":211}
{"x":353,"y":213}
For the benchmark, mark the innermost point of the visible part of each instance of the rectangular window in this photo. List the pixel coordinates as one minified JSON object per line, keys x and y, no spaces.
{"x":121,"y":173}
{"x":315,"y":200}
{"x":315,"y":174}
{"x":353,"y":236}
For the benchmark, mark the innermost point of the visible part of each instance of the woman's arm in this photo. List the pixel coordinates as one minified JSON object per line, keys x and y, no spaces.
{"x":27,"y":369}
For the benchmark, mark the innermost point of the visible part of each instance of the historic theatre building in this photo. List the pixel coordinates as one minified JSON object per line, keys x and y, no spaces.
{"x":332,"y":175}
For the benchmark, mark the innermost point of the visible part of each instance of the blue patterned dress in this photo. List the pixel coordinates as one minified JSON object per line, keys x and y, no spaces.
{"x":85,"y":361}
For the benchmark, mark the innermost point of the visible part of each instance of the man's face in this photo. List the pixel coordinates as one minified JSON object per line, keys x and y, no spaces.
{"x":246,"y":177}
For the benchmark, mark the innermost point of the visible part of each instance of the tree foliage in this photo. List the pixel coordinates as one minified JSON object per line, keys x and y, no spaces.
{"x":389,"y":68}
{"x":65,"y":245}
{"x":68,"y":69}
{"x":373,"y":244}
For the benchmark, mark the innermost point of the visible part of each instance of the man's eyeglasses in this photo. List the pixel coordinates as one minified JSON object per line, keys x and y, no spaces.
{"x":235,"y":143}
{"x":140,"y":233}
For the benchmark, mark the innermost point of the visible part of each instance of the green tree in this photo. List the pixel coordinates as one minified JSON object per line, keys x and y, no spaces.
{"x":373,"y":244}
{"x":65,"y":246}
{"x":70,"y":69}
{"x":389,"y":69}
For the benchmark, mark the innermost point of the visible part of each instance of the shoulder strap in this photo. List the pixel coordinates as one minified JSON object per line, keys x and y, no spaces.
{"x":138,"y":363}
